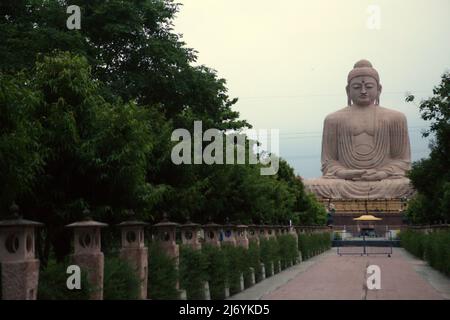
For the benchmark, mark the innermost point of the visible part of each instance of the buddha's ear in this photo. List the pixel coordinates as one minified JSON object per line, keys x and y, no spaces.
{"x":380,"y":87}
{"x":347,"y":89}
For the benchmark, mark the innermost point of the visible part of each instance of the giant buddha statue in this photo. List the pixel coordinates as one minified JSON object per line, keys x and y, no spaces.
{"x":365,"y":147}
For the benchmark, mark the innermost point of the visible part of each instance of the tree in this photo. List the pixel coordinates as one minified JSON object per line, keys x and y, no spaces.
{"x":20,"y":159}
{"x":86,"y":152}
{"x":431,"y":176}
{"x":131,"y":48}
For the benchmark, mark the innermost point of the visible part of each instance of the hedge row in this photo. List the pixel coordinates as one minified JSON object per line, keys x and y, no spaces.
{"x":221,"y":267}
{"x":311,"y":244}
{"x":119,"y":282}
{"x":433,"y":247}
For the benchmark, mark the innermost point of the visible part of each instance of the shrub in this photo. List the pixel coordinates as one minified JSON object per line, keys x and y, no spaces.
{"x":53,"y":283}
{"x":216,"y":272}
{"x":120,"y":280}
{"x":288,"y":250}
{"x":254,"y":259}
{"x":269,"y":254}
{"x":311,"y":243}
{"x":433,"y":247}
{"x":162,"y":274}
{"x":193,"y":272}
{"x":414,"y":242}
{"x":236,"y":263}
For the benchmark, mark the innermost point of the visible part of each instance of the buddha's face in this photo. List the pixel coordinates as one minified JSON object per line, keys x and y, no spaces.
{"x":363,"y":90}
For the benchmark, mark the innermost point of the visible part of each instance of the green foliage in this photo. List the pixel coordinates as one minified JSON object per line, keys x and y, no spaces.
{"x":20,"y":159}
{"x":254,"y":259}
{"x":288,"y":248}
{"x":52,"y":283}
{"x":236,"y":263}
{"x":162,"y":275}
{"x":120,"y":281}
{"x":314,"y":212}
{"x":92,"y":124}
{"x":431,"y":176}
{"x":216,"y":270}
{"x":414,"y":242}
{"x":192,"y":272}
{"x":311,"y":244}
{"x":269,"y":254}
{"x":433,"y":247}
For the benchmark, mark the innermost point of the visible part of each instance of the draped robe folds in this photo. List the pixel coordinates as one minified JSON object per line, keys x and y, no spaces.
{"x":387,"y":149}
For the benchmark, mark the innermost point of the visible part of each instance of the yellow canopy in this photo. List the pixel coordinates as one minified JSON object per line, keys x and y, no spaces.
{"x":367,"y":217}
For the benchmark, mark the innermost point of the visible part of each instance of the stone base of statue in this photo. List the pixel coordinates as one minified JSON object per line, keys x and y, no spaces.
{"x":348,"y":189}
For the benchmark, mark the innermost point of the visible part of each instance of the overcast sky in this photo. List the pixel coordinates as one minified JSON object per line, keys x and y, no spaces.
{"x":287,"y":61}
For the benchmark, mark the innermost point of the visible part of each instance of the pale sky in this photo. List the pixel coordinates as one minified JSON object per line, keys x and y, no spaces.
{"x":287,"y":61}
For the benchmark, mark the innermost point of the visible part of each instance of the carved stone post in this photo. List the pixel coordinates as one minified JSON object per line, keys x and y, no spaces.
{"x":212,"y":233}
{"x":135,"y":252}
{"x":20,"y":268}
{"x":189,"y":235}
{"x":88,"y":255}
{"x":241,"y":236}
{"x":253,"y":233}
{"x":229,"y":233}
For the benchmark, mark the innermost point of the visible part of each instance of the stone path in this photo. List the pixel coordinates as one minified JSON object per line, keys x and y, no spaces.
{"x":329,"y":276}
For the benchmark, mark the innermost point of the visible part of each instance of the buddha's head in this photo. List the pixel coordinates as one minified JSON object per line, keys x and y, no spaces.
{"x":363,"y":85}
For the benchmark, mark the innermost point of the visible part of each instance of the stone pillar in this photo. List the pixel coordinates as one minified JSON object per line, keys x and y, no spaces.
{"x":165,"y":235}
{"x":212,"y":233}
{"x":229,"y":233}
{"x":241,"y":282}
{"x":241,"y":236}
{"x":206,"y":290}
{"x":189,"y":235}
{"x":263,"y":271}
{"x":252,"y":276}
{"x":88,"y":255}
{"x":272,"y":231}
{"x":294,"y":234}
{"x":20,"y":268}
{"x":253,"y":233}
{"x":276,"y":230}
{"x":134,"y":252}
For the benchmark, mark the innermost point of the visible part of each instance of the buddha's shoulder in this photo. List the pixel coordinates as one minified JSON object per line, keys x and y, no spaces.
{"x":338,"y":115}
{"x":390,"y":114}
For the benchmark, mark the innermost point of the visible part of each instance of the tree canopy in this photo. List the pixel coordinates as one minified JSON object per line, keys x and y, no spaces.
{"x":86,"y":118}
{"x":431,"y":176}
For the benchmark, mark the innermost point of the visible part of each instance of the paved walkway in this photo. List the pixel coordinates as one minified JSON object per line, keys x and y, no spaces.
{"x":329,"y":276}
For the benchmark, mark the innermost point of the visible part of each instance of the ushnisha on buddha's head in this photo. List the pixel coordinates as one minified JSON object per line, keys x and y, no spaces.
{"x":363,"y":85}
